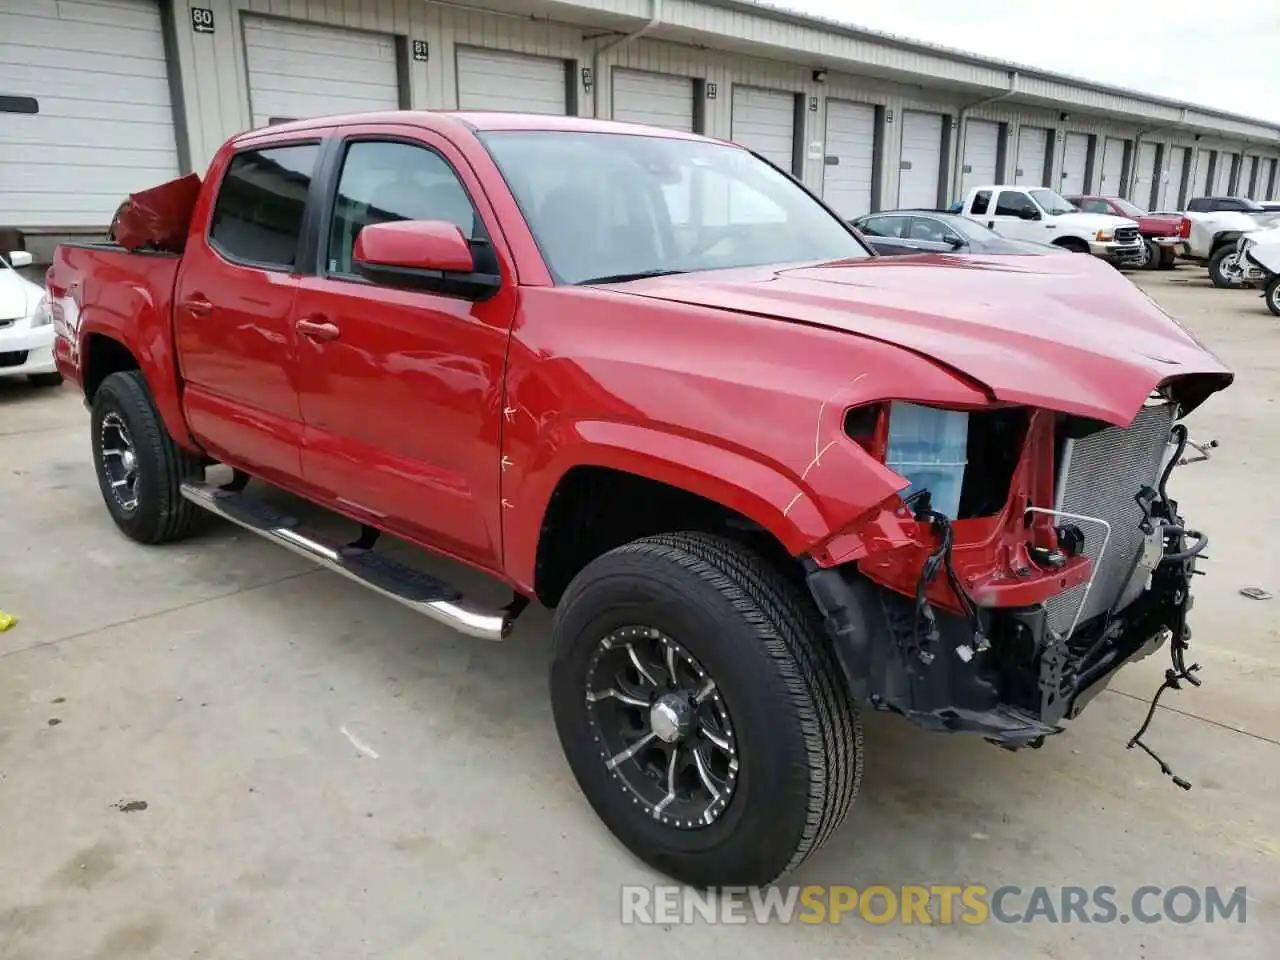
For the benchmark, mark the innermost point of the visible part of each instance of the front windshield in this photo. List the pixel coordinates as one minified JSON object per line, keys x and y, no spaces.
{"x":1129,"y":209}
{"x":1052,"y":203}
{"x":610,"y":206}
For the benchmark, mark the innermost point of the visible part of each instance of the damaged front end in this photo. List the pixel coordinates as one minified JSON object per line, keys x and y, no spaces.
{"x":1055,"y":559}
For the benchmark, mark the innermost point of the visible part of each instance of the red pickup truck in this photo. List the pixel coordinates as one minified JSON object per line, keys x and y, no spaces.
{"x":646,"y":378}
{"x":1165,"y":234}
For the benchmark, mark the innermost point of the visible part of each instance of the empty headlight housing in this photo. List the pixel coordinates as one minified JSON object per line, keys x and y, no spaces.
{"x":929,"y":447}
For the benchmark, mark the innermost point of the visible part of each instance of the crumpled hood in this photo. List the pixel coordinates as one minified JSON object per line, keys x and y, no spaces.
{"x":18,"y":296}
{"x":1064,"y":333}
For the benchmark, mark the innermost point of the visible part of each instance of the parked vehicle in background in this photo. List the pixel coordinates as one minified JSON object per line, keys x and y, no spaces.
{"x":1259,"y":258}
{"x":1165,"y":235}
{"x":762,"y":476}
{"x":26,"y":325}
{"x":1043,"y":216}
{"x":1217,"y":224}
{"x":899,"y":232}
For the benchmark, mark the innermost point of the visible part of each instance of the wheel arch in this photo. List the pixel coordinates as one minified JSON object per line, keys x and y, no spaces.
{"x":632,"y":481}
{"x":1072,"y":243}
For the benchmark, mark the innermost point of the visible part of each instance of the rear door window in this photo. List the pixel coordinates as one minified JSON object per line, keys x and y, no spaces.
{"x":257,"y":218}
{"x":981,"y":200}
{"x":886,"y":226}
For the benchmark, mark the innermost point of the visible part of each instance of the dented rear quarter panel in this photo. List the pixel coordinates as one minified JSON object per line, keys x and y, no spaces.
{"x":99,"y":290}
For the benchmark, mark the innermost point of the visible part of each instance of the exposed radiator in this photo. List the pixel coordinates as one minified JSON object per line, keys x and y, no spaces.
{"x":1099,"y":476}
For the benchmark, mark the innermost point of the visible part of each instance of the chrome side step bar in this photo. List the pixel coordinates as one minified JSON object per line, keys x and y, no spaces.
{"x":419,"y":591}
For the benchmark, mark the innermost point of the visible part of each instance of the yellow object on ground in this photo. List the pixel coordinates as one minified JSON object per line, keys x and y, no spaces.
{"x":7,"y":620}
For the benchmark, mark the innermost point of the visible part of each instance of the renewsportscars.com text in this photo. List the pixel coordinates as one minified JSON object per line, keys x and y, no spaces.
{"x":971,"y":904}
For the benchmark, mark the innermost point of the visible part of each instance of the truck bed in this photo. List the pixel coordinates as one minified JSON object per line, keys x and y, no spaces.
{"x":113,"y":291}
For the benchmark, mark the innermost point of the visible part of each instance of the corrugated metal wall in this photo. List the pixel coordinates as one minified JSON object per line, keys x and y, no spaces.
{"x":215,"y":86}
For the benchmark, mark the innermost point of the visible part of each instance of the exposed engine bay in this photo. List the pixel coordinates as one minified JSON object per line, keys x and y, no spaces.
{"x":1031,"y":590}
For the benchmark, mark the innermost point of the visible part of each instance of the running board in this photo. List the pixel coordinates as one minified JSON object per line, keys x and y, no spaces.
{"x":419,"y":591}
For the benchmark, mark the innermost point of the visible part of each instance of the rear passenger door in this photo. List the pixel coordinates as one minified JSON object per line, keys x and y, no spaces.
{"x":402,"y":396}
{"x":233,"y":309}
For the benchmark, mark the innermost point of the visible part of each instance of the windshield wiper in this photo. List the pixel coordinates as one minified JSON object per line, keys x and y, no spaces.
{"x":624,"y":277}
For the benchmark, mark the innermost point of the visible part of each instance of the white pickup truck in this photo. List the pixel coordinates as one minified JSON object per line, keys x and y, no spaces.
{"x":1039,"y":214}
{"x":1217,"y":224}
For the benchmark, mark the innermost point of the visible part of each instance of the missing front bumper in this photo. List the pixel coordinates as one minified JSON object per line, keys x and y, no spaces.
{"x":1015,"y":684}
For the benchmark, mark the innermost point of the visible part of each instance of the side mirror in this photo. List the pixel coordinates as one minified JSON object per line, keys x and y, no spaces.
{"x":19,"y":258}
{"x":1029,"y":213}
{"x":431,"y":255}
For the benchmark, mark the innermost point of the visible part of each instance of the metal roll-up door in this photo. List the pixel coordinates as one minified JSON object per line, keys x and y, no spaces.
{"x":1200,"y":183}
{"x":1222,"y":174}
{"x":497,"y":80}
{"x":1144,"y":175}
{"x":1245,"y":184}
{"x":1268,"y":182}
{"x":981,"y":154}
{"x":765,"y":121}
{"x":850,"y":165}
{"x":653,"y":98}
{"x":1033,"y":144}
{"x":1075,"y":158}
{"x":298,"y":70}
{"x":96,"y":75}
{"x":1112,"y":183}
{"x":1170,"y":196}
{"x":920,"y":163}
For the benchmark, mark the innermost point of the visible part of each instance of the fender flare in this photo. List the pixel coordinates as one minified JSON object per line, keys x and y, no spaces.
{"x":765,"y":493}
{"x":148,"y":338}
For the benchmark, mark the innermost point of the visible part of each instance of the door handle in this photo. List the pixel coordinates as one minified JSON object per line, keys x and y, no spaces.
{"x":197,"y":306}
{"x":320,"y":330}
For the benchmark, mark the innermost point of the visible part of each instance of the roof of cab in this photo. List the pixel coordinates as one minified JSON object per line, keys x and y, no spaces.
{"x":475,"y":120}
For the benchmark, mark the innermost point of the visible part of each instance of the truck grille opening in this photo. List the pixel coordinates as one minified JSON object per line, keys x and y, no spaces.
{"x":1126,"y":234}
{"x":1099,"y":475}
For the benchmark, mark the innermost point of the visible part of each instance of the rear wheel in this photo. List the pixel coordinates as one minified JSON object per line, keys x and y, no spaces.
{"x":1273,"y":295}
{"x":140,"y":469}
{"x":1224,"y":268}
{"x":701,"y":711}
{"x":1168,"y":259}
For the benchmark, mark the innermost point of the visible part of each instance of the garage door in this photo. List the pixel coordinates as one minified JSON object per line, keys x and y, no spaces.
{"x":1144,"y":175}
{"x":1245,"y":184}
{"x":104,"y":126}
{"x":1171,"y":181}
{"x":1033,"y":147}
{"x":921,"y":162}
{"x":765,"y":121}
{"x":851,"y":145}
{"x":1075,"y":157}
{"x":981,"y":154}
{"x":1200,"y":180}
{"x":496,"y":80}
{"x":298,"y":70}
{"x":1222,"y":174}
{"x":653,"y":98}
{"x":1112,"y":168}
{"x":1268,"y":186}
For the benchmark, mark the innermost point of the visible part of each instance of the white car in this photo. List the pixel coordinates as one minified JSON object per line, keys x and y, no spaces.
{"x":26,"y":325}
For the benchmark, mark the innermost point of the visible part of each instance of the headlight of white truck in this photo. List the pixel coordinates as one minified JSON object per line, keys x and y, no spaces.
{"x":1105,"y":236}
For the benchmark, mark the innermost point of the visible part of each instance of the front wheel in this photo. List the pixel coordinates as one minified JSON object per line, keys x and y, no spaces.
{"x":1224,"y":268}
{"x":1273,"y":294}
{"x":701,"y":710}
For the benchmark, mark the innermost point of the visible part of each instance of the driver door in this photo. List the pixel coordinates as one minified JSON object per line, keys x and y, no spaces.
{"x":401,"y":390}
{"x":1007,"y":216}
